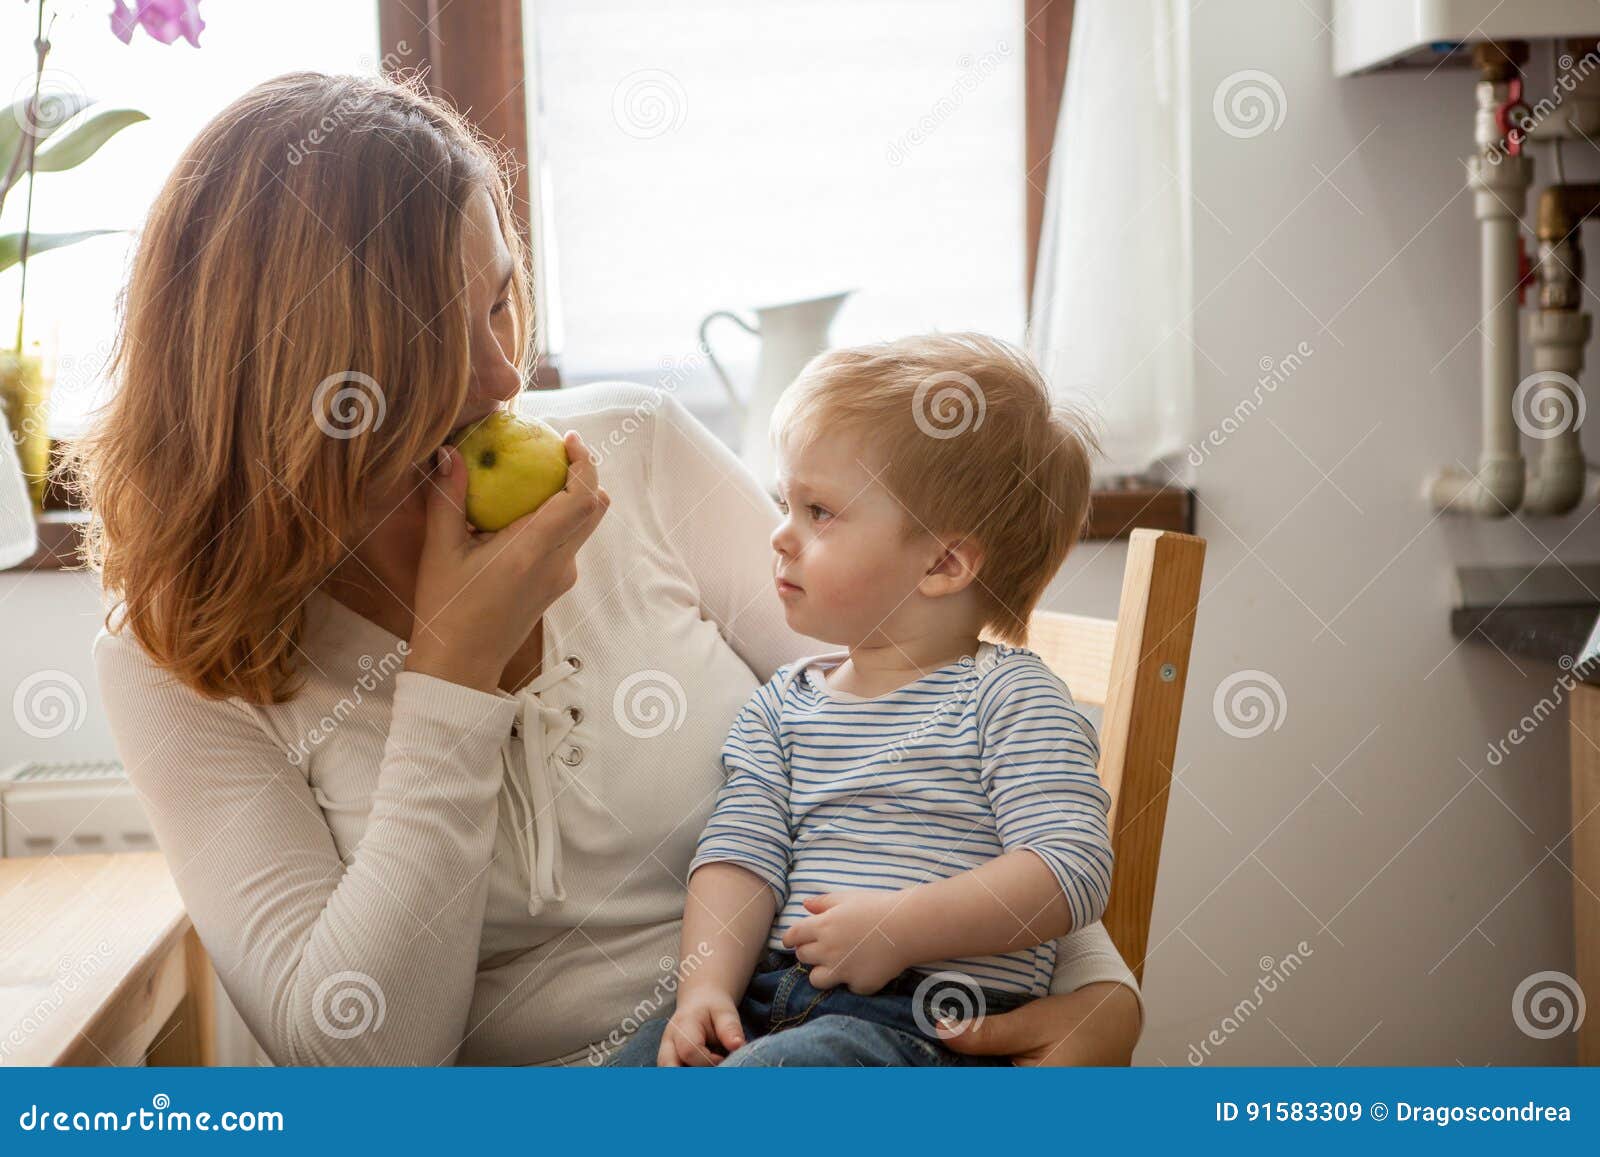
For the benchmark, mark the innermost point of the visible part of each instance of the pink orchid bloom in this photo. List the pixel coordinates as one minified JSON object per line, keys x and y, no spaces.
{"x":165,"y":20}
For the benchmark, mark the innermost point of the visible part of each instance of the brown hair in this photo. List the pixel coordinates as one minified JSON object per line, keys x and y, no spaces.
{"x":293,"y":337}
{"x":973,"y":446}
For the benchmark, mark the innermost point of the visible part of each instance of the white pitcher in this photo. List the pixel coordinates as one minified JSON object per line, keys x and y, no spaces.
{"x":791,"y":334}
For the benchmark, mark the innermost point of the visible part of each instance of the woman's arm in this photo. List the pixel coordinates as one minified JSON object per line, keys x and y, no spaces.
{"x":370,"y":962}
{"x":1093,"y":1015}
{"x":720,"y":520}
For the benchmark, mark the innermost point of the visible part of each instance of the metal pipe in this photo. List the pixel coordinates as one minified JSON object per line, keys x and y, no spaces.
{"x":1499,"y":178}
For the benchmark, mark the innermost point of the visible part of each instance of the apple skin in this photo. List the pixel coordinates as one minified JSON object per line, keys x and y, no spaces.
{"x":513,"y":467}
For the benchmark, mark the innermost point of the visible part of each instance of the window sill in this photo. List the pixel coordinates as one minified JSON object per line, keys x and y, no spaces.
{"x":60,"y":536}
{"x":1114,"y":512}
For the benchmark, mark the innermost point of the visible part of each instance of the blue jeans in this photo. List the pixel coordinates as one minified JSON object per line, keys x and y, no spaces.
{"x":788,"y":1021}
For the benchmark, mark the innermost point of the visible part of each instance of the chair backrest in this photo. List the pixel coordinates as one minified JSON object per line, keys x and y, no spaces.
{"x":1135,"y":668}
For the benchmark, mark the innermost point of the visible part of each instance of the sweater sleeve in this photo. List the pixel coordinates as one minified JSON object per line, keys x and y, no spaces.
{"x":1087,"y":956}
{"x":1039,"y":758}
{"x":749,"y":824}
{"x":370,"y":962}
{"x":720,"y":520}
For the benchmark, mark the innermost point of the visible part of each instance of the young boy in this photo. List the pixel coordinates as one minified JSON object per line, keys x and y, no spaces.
{"x":921,"y":811}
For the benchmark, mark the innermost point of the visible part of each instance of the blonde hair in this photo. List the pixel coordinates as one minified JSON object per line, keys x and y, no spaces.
{"x":973,"y":447}
{"x":293,"y":337}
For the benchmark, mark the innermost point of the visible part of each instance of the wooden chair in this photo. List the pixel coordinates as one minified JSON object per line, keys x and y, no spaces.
{"x":1134,"y":667}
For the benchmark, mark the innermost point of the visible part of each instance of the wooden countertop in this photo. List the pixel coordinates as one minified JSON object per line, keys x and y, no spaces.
{"x":99,"y":964}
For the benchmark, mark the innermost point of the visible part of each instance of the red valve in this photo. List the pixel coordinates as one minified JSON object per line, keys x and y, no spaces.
{"x":1510,"y":128}
{"x":1525,"y":271}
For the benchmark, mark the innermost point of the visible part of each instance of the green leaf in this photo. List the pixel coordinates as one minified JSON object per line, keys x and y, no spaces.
{"x":59,"y":107}
{"x":84,"y":139}
{"x":11,"y":244}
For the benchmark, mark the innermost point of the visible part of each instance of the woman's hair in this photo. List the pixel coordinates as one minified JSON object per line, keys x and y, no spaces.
{"x":972,"y":445}
{"x":294,"y":336}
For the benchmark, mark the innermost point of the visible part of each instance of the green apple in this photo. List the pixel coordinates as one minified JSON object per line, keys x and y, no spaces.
{"x":513,"y":467}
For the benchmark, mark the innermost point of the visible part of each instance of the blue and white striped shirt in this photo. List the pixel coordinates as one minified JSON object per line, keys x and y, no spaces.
{"x":828,"y":791}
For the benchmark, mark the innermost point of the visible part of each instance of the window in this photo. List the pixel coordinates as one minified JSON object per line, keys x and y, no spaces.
{"x":724,"y":154}
{"x":71,"y":308}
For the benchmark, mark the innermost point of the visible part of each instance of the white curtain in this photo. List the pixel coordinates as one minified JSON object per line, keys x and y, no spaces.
{"x":1112,"y":294}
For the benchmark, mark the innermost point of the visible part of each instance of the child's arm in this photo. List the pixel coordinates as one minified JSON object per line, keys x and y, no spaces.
{"x":737,"y":881}
{"x":1039,"y":758}
{"x":863,"y":939}
{"x":725,"y":925}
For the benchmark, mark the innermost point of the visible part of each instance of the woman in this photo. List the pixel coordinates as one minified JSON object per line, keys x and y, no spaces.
{"x":428,"y":794}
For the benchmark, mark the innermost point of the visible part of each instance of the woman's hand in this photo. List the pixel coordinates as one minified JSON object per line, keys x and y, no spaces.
{"x":479,"y":595}
{"x":1097,"y":1024}
{"x":704,"y":1028}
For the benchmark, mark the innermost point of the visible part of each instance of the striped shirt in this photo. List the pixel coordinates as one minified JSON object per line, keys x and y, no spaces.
{"x":828,"y":791}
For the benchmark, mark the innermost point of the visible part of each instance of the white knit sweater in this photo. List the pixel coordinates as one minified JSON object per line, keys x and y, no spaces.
{"x":360,"y":861}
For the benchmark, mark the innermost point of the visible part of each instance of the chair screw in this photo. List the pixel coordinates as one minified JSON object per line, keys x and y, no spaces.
{"x":1168,"y":672}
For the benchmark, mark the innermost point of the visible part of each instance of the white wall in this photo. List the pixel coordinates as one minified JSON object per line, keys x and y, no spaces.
{"x":47,"y":623}
{"x":1369,"y":824}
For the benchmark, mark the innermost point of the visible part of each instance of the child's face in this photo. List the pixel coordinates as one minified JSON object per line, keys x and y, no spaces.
{"x":845,"y":568}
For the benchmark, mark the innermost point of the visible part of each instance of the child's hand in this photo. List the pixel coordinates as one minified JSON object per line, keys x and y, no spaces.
{"x":845,"y":941}
{"x":704,"y":1028}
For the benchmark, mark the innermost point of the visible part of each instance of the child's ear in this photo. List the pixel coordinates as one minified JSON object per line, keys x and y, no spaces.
{"x":954,"y":570}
